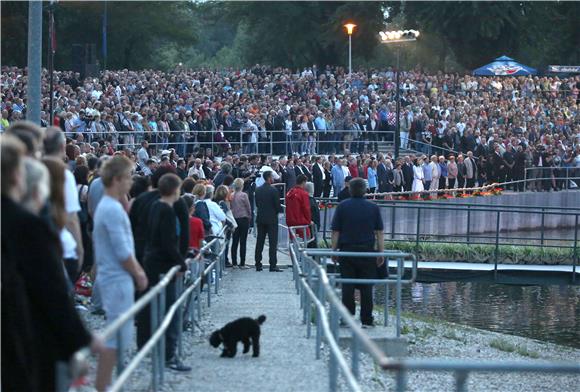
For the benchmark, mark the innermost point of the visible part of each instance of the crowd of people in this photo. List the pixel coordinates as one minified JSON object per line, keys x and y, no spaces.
{"x":139,"y":167}
{"x":267,"y":110}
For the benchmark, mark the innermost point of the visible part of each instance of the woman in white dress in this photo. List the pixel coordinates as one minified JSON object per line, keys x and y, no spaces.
{"x":418,"y":176}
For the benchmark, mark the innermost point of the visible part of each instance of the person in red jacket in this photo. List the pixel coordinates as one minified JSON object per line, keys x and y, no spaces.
{"x":298,"y":206}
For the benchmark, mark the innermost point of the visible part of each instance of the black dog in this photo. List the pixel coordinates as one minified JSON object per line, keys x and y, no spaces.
{"x":240,"y":330}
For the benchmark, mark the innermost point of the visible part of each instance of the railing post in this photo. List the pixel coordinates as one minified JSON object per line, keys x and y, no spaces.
{"x":333,"y":366}
{"x":322,"y":299}
{"x":162,"y":340}
{"x":496,"y":253}
{"x":155,"y":351}
{"x":401,"y":380}
{"x":575,"y":256}
{"x":218,"y":273}
{"x":542,"y":227}
{"x":460,"y":380}
{"x":355,"y":355}
{"x":386,"y":315}
{"x":178,"y":291}
{"x":417,"y":230}
{"x":399,"y":277}
{"x":468,"y":222}
{"x":208,"y":277}
{"x":120,"y":351}
{"x":393,"y":212}
{"x":309,"y":308}
{"x":325,"y":223}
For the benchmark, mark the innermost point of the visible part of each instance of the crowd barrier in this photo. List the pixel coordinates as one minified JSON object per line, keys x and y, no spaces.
{"x":316,"y":288}
{"x":214,"y":254}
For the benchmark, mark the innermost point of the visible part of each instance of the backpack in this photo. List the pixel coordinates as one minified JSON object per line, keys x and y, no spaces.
{"x":202,"y":212}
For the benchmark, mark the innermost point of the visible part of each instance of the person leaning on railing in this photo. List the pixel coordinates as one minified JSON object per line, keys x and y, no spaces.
{"x":118,"y":271}
{"x":162,"y":253}
{"x":356,"y":227}
{"x":40,"y":325}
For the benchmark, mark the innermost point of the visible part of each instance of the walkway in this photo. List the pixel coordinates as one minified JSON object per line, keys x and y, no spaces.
{"x":286,"y":362}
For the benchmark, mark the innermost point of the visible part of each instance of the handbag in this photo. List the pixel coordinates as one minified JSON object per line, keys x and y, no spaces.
{"x":231,"y":220}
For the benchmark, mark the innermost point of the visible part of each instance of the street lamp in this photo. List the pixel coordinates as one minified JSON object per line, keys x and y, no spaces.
{"x":394,"y":37}
{"x":349,"y":29}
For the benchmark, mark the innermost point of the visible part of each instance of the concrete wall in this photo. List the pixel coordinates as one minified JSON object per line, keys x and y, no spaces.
{"x":454,"y":221}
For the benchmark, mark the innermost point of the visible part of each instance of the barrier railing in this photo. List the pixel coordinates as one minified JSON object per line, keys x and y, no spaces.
{"x":160,"y":319}
{"x":267,"y":142}
{"x":307,"y":272}
{"x":496,"y":233}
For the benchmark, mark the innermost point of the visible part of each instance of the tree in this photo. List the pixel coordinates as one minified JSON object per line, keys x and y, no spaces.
{"x":297,"y":34}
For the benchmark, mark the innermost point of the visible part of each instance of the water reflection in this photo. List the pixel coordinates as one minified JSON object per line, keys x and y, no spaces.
{"x":550,"y":313}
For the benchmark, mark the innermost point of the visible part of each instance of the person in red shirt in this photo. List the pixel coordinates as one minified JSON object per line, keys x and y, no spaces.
{"x":298,"y":206}
{"x":196,"y":232}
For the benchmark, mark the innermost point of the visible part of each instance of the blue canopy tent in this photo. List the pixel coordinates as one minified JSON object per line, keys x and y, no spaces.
{"x":504,"y":66}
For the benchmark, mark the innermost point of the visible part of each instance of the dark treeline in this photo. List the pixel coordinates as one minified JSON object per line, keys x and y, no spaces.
{"x":455,"y":36}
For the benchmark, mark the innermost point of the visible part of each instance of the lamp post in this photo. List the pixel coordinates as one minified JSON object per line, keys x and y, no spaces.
{"x":395,"y":37}
{"x":349,"y":30}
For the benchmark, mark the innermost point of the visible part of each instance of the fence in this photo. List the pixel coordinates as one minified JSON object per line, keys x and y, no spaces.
{"x":316,"y":288}
{"x":267,"y":142}
{"x":439,"y":222}
{"x":160,"y":319}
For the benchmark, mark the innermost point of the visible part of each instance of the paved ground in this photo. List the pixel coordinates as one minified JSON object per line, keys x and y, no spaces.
{"x":286,"y":362}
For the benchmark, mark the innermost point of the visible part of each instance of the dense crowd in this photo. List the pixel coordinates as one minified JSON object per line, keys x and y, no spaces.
{"x":140,"y":166}
{"x":278,"y":111}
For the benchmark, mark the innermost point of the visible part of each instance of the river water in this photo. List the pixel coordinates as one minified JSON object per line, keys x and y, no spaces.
{"x":548,"y":313}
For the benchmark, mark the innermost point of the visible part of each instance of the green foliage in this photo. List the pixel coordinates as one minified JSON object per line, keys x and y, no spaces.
{"x":509,"y":254}
{"x":455,"y":36}
{"x":507,"y":346}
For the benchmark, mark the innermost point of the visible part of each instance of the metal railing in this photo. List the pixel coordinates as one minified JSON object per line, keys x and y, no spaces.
{"x":317,"y":287}
{"x":327,"y":322}
{"x":267,"y":142}
{"x":160,"y":319}
{"x":500,"y":220}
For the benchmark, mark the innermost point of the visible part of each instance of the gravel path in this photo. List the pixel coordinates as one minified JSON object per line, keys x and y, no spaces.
{"x":442,"y":340}
{"x":287,"y":361}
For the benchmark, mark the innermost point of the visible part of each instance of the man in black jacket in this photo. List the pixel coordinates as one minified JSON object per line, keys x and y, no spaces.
{"x":318,"y":176}
{"x":268,"y":205}
{"x":408,"y":173}
{"x":382,"y":175}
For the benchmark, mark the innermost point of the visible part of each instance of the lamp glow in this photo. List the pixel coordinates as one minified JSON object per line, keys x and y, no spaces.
{"x":349,"y":28}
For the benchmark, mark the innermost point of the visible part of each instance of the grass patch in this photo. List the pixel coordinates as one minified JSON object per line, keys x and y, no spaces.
{"x":509,"y":254}
{"x":508,"y":347}
{"x":452,"y":335}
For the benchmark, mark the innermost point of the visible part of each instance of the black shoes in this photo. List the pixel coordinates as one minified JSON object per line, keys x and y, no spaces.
{"x":259,"y":268}
{"x":177,"y":365}
{"x":276,"y":269}
{"x":366,"y":326}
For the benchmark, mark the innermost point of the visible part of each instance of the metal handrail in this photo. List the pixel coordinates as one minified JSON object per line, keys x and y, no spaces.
{"x":78,"y":358}
{"x":460,"y":368}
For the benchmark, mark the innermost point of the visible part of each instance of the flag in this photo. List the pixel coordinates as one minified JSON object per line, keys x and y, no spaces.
{"x":52,"y":34}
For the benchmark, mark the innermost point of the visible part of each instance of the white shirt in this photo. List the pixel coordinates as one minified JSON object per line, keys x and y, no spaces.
{"x":345,"y":171}
{"x":216,"y":216}
{"x":322,"y":170}
{"x":260,"y":180}
{"x":199,"y":172}
{"x":71,"y":197}
{"x":69,"y":245}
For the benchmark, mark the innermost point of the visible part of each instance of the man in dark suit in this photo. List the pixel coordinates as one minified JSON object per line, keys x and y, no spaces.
{"x":408,"y":173}
{"x":382,"y":175}
{"x":268,"y":205}
{"x":287,"y":172}
{"x":301,"y":168}
{"x":318,"y":176}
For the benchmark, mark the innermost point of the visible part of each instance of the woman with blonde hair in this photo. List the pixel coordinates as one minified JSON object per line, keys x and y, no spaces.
{"x":241,"y":211}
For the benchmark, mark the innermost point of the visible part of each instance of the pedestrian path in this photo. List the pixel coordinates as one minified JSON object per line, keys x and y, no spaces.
{"x":287,"y":359}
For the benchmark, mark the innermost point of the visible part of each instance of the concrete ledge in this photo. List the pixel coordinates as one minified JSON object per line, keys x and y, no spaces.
{"x":384,"y":337}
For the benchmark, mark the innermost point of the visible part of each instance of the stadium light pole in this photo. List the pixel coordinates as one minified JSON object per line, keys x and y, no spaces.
{"x":349,"y":30}
{"x":396,"y":37}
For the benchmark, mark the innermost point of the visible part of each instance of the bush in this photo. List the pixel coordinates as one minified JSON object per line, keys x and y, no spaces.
{"x":508,"y":254}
